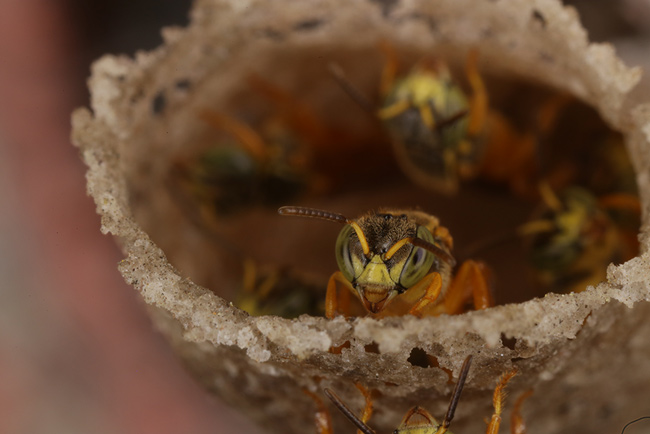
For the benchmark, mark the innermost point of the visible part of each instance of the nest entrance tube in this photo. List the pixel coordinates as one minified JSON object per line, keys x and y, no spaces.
{"x":585,"y":354}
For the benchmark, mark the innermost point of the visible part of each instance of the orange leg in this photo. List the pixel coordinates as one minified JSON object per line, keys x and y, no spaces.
{"x":334,"y":304}
{"x":497,"y":402}
{"x":427,"y":116}
{"x":390,"y":68}
{"x":247,"y":137}
{"x":509,"y":157}
{"x":433,"y":284}
{"x":367,"y":409}
{"x":393,"y":110}
{"x":249,"y":276}
{"x":548,"y":113}
{"x":471,"y":281}
{"x":322,"y":418}
{"x":621,"y":201}
{"x":344,"y":300}
{"x":479,"y":103}
{"x":549,"y":197}
{"x":298,"y":116}
{"x":513,"y":157}
{"x":517,"y":425}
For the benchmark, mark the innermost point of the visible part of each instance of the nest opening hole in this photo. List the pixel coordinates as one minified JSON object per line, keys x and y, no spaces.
{"x":507,"y":342}
{"x":419,"y":357}
{"x":336,"y":156}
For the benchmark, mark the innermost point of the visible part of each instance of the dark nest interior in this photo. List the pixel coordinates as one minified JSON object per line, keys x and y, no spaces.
{"x":329,"y":152}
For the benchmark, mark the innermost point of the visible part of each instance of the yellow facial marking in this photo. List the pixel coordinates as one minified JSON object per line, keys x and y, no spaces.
{"x":424,"y":87}
{"x":427,"y":116}
{"x":398,"y":245}
{"x":361,"y":236}
{"x":393,"y":110}
{"x":376,"y":274}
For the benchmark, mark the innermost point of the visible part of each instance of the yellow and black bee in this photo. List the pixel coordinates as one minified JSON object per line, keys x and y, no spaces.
{"x":418,"y":420}
{"x":279,"y":291}
{"x":398,"y":262}
{"x":253,"y":169}
{"x":574,"y":236}
{"x":433,"y":124}
{"x":435,"y":127}
{"x":442,"y":135}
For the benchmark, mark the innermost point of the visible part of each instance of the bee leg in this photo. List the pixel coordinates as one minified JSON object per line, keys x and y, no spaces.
{"x":390,"y":68}
{"x":322,"y":418}
{"x":509,"y":157}
{"x":621,"y":201}
{"x":298,"y":116}
{"x":471,"y":282}
{"x":268,"y":284}
{"x":433,"y":284}
{"x":516,"y":158}
{"x":517,"y":425}
{"x":479,"y":103}
{"x":247,"y":137}
{"x":334,"y":304}
{"x":497,"y":402}
{"x":548,"y":113}
{"x":427,"y":116}
{"x":393,"y":110}
{"x":249,"y":276}
{"x":367,"y":409}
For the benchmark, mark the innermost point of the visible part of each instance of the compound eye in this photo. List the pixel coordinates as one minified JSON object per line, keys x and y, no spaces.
{"x":343,"y":253}
{"x":419,"y":261}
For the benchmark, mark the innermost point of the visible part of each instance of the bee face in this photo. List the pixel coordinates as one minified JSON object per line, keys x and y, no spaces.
{"x":425,"y":84}
{"x":433,"y":97}
{"x":412,"y":112}
{"x":418,"y":421}
{"x":382,"y":269}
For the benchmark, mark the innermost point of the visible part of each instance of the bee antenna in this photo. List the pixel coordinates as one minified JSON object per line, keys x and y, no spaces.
{"x":327,"y":215}
{"x":455,"y":397}
{"x":365,"y":429}
{"x":312,"y":213}
{"x":634,"y":421}
{"x":451,"y":119}
{"x":442,"y":254}
{"x":353,"y":92}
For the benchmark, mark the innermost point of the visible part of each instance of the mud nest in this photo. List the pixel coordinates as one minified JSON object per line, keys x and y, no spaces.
{"x":584,"y":354}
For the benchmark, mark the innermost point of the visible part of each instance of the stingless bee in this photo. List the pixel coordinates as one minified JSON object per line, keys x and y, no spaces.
{"x":280,"y":291}
{"x":398,"y":261}
{"x":434,"y":125}
{"x":575,"y":236}
{"x":425,"y":113}
{"x":442,"y":134}
{"x":261,"y":165}
{"x":263,"y":168}
{"x":418,"y":420}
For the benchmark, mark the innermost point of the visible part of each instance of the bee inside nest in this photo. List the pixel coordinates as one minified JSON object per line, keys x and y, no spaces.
{"x":514,"y":178}
{"x":526,"y":185}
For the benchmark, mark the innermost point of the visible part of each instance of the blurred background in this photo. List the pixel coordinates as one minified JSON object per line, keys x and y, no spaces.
{"x":77,"y":351}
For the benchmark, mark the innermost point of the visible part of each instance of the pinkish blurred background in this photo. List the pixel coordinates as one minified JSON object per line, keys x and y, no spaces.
{"x":77,"y":351}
